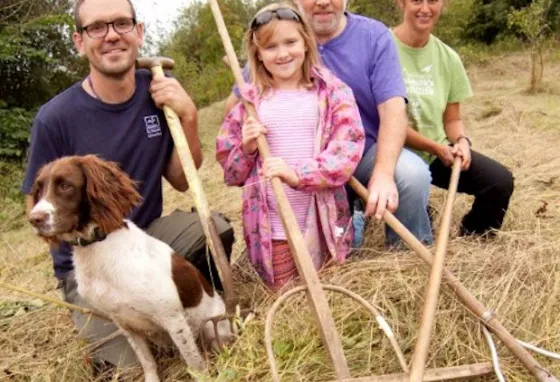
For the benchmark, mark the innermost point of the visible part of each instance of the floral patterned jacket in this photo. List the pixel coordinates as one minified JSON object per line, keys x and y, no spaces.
{"x":338,"y":148}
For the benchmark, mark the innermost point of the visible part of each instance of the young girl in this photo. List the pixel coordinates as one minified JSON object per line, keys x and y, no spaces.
{"x":437,"y":83}
{"x":313,"y":128}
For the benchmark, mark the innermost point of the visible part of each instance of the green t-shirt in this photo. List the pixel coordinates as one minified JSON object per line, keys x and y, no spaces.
{"x":434,"y":76}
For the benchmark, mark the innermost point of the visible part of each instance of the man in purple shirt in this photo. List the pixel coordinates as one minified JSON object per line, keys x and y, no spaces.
{"x":362,"y":53}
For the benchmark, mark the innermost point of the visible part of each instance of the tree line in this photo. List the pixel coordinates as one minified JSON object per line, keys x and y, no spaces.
{"x":38,"y":60}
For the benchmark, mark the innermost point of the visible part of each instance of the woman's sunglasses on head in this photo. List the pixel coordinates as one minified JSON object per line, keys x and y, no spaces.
{"x":280,"y":13}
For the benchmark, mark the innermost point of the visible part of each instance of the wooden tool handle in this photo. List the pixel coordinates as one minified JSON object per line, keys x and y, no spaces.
{"x":432,"y":290}
{"x":304,"y":264}
{"x":200,"y":201}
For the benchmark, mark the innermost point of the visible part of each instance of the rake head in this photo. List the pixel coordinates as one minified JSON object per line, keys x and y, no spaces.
{"x":219,"y":331}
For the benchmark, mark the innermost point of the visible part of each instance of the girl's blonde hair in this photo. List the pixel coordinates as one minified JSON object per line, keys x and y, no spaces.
{"x":258,"y":37}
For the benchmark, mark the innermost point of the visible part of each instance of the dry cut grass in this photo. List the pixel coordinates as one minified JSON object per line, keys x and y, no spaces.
{"x":517,"y":274}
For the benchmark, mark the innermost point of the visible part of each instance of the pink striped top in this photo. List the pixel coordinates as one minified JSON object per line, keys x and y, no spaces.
{"x":291,"y":118}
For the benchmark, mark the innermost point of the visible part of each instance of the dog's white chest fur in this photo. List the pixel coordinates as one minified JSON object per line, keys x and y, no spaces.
{"x":128,"y":276}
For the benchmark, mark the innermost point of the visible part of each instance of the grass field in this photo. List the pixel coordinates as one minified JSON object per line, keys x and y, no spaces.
{"x":517,"y":274}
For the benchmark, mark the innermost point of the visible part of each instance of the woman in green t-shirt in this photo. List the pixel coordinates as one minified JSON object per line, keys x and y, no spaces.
{"x":437,"y":83}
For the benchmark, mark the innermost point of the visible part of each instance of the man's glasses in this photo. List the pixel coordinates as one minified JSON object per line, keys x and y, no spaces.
{"x":99,"y":29}
{"x":280,"y":13}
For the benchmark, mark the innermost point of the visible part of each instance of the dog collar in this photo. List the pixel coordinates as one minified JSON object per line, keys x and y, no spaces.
{"x":98,"y":235}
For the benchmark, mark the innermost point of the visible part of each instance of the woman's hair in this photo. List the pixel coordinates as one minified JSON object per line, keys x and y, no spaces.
{"x":258,"y":37}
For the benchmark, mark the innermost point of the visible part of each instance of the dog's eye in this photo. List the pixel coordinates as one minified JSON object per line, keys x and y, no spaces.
{"x":63,"y":186}
{"x":38,"y":192}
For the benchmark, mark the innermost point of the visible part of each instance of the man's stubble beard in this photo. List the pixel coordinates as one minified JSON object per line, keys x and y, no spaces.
{"x":116,"y":73}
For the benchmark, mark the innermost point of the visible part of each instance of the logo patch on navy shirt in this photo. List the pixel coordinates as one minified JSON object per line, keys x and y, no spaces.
{"x":153,"y":128}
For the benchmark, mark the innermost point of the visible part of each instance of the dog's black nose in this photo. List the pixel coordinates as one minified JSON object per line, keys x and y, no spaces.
{"x":38,"y":218}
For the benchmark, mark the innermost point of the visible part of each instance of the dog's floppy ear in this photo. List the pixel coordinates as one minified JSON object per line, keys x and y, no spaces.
{"x":110,"y":192}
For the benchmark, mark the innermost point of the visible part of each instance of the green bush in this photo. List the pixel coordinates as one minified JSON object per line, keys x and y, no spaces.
{"x":11,"y":198}
{"x":14,"y":132}
{"x":197,"y":49}
{"x":453,"y":22}
{"x":489,"y":19}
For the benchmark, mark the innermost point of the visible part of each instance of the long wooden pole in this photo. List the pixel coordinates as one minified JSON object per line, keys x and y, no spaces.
{"x":432,"y":290}
{"x":440,"y":374}
{"x":305,"y":267}
{"x":200,"y":201}
{"x":486,"y":315}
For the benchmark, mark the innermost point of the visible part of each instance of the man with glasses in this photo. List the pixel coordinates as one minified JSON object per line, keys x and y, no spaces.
{"x":115,"y":113}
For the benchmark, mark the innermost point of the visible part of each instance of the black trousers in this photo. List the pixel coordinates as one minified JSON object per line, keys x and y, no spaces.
{"x":489,"y":182}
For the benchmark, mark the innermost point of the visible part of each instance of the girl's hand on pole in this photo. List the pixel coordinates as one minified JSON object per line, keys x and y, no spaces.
{"x":250,"y":131}
{"x":278,"y":167}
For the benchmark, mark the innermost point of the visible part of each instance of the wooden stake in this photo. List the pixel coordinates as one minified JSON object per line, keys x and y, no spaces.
{"x":304,"y":264}
{"x":432,"y":290}
{"x":486,"y":315}
{"x":440,"y":374}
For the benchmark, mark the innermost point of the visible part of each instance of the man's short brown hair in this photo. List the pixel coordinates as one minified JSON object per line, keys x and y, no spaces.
{"x":78,"y":21}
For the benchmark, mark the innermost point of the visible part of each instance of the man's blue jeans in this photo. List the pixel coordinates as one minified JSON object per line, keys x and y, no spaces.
{"x":413,"y":179}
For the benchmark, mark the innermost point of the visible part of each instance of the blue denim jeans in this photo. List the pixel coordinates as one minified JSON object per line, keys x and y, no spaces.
{"x":413,"y":179}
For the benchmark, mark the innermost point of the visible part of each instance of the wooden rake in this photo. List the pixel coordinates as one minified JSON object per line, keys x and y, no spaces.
{"x":486,"y":315}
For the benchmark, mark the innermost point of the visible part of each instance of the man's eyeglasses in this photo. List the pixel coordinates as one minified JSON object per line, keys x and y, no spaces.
{"x":280,"y":13}
{"x":99,"y":29}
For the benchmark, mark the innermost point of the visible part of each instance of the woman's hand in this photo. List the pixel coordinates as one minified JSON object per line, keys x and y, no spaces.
{"x":250,"y":131}
{"x":462,"y":149}
{"x":445,"y":154}
{"x":273,"y":166}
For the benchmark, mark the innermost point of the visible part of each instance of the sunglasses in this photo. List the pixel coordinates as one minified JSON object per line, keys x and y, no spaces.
{"x":280,"y":13}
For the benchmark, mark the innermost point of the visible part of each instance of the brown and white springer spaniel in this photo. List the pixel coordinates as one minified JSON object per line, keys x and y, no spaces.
{"x":135,"y":279}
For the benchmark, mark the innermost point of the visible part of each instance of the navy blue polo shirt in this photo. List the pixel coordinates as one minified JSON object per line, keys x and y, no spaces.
{"x":134,"y":134}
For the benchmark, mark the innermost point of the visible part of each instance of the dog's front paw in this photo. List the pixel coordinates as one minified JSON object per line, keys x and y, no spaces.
{"x":199,"y":369}
{"x":197,"y":363}
{"x":151,"y":377}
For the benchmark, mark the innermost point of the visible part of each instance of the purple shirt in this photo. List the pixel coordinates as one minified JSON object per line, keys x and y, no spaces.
{"x":365,"y":57}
